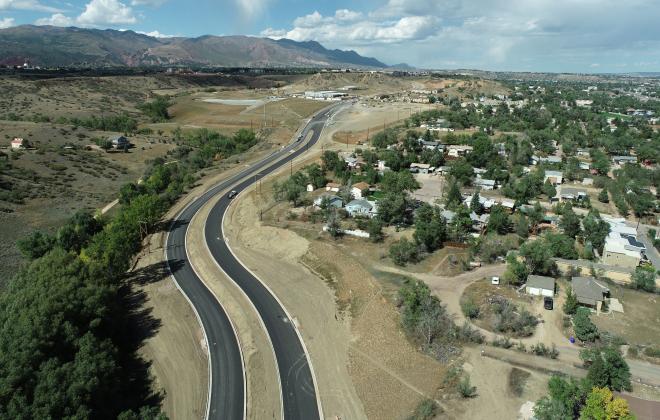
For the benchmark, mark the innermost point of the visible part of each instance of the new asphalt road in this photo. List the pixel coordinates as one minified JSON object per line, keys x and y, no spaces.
{"x":227,"y":382}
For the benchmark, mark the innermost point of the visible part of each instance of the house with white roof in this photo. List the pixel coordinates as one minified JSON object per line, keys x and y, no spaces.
{"x":555,"y":177}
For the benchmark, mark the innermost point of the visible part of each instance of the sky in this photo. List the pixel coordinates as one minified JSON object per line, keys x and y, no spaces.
{"x":584,"y":36}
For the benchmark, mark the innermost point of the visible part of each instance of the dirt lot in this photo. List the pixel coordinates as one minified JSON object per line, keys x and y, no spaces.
{"x":640,"y":322}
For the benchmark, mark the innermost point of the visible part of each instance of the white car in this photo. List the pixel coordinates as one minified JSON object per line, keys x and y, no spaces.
{"x":495,"y":280}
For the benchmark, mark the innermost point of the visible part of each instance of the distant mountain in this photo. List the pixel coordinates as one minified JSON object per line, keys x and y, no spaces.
{"x":50,"y":46}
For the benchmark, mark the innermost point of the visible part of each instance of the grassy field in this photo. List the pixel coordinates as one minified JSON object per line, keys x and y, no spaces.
{"x":60,"y":174}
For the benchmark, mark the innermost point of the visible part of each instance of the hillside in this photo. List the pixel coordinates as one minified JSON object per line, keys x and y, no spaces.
{"x":49,"y":46}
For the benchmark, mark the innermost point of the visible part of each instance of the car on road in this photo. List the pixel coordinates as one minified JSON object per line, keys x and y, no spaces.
{"x":548,"y":303}
{"x":232,"y":194}
{"x":300,"y":137}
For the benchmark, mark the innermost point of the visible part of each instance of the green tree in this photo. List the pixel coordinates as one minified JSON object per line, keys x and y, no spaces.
{"x":499,"y":220}
{"x":607,"y":368}
{"x":461,"y":171}
{"x":316,"y":175}
{"x":475,"y":204}
{"x":375,"y":229}
{"x":522,"y":226}
{"x":549,"y":190}
{"x":571,"y":303}
{"x":561,"y":245}
{"x":453,"y":198}
{"x":644,"y":278}
{"x":516,"y":271}
{"x":585,"y":330}
{"x":603,"y":197}
{"x":595,"y":230}
{"x":601,"y":405}
{"x":403,"y":251}
{"x":565,"y":399}
{"x":570,"y":223}
{"x":430,"y":227}
{"x":156,"y":110}
{"x":36,"y":245}
{"x":538,"y":256}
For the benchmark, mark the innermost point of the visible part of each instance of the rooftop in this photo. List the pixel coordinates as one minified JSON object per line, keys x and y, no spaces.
{"x":541,"y":282}
{"x":588,"y":290}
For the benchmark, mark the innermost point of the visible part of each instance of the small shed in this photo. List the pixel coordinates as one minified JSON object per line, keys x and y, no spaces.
{"x":540,"y":286}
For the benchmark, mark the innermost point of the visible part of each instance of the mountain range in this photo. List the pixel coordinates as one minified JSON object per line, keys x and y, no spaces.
{"x":50,"y":46}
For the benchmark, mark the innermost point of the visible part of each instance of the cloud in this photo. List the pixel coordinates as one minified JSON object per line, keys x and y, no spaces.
{"x":6,"y":23}
{"x":56,"y":19}
{"x":563,"y":35}
{"x":156,"y":34}
{"x":31,"y":5}
{"x":152,"y":3}
{"x":106,"y":12}
{"x":251,"y":9}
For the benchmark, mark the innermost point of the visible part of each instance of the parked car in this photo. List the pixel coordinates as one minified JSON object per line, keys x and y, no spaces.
{"x":232,"y":194}
{"x":548,"y":303}
{"x":495,"y":280}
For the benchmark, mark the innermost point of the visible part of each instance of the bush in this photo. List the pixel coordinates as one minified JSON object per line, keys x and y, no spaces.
{"x":585,"y":330}
{"x":425,"y":410}
{"x":403,"y":251}
{"x":470,"y":309}
{"x":512,"y":319}
{"x":541,"y":349}
{"x":644,"y":279}
{"x":503,"y":342}
{"x":652,"y":352}
{"x":466,"y":389}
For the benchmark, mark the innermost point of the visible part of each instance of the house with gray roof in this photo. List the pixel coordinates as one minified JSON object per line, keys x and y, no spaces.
{"x":540,"y":286}
{"x":589,"y":291}
{"x":361,"y":208}
{"x":331,"y":200}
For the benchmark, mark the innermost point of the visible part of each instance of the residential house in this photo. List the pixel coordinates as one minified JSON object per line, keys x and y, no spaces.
{"x":540,"y":286}
{"x":622,"y":160}
{"x":485,"y":184}
{"x":486,"y":203}
{"x":362,"y":208}
{"x":587,"y":181}
{"x":359,"y":190}
{"x":572,"y":194}
{"x":589,"y":292}
{"x":332,"y":186}
{"x":458,"y":150}
{"x":555,"y":177}
{"x":583,"y":152}
{"x":443,"y":170}
{"x":119,"y":142}
{"x":430,"y":145}
{"x":585,"y":166}
{"x":535,"y":160}
{"x":331,"y":200}
{"x":421,"y":168}
{"x":18,"y":143}
{"x":509,"y":205}
{"x":623,"y":250}
{"x":479,"y":222}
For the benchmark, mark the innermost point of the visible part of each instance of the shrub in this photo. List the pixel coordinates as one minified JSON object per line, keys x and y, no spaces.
{"x":541,"y":349}
{"x":652,"y":352}
{"x":425,"y":410}
{"x":504,"y":342}
{"x":470,"y":309}
{"x":585,"y":330}
{"x":403,"y":251}
{"x":466,"y":389}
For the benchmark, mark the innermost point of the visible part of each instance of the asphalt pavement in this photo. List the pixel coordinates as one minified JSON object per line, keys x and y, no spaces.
{"x":227,"y":381}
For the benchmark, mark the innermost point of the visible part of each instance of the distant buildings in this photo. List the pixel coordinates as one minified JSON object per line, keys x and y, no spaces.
{"x":554,"y":177}
{"x":325,"y":95}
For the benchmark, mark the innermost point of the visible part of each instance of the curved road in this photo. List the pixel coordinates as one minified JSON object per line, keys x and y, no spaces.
{"x":227,"y":382}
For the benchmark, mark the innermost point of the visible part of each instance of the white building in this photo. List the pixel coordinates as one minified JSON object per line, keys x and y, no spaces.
{"x":540,"y":286}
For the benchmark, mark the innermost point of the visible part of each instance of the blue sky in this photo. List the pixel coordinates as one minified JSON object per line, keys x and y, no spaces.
{"x":518,"y":35}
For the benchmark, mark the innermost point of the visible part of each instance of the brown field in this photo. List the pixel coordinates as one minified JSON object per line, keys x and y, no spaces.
{"x":640,"y":322}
